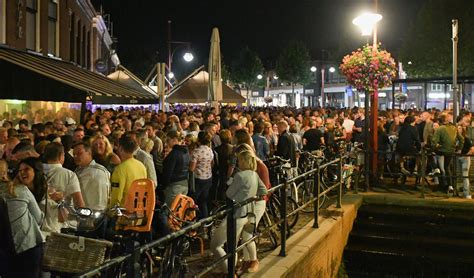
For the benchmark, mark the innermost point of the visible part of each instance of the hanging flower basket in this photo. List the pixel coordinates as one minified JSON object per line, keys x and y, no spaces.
{"x":369,"y":68}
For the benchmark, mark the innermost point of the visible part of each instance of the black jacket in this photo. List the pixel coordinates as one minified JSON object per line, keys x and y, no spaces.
{"x":286,"y":148}
{"x":175,"y":165}
{"x":408,"y":140}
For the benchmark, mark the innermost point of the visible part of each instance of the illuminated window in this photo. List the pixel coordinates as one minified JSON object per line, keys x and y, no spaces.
{"x":52,"y":26}
{"x":31,"y":14}
{"x":436,"y":87}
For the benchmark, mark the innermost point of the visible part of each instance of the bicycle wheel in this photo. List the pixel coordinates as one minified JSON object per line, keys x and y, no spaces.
{"x":270,"y":237}
{"x":305,"y":194}
{"x":291,"y":205}
{"x":172,"y":267}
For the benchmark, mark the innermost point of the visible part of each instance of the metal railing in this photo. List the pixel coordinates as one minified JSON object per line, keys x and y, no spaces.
{"x":451,"y":173}
{"x":131,"y":259}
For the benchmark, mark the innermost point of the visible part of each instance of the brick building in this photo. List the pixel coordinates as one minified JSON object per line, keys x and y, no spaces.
{"x":68,"y":29}
{"x":64,"y":51}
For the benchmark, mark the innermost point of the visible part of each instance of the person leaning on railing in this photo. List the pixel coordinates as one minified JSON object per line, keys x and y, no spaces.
{"x":244,"y":185}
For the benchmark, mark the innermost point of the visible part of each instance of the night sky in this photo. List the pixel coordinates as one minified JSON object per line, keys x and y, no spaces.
{"x":265,"y":26}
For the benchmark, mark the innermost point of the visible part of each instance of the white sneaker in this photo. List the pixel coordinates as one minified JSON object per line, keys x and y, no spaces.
{"x":450,"y":191}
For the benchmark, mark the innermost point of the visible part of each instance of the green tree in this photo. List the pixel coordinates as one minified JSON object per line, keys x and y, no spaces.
{"x":245,"y":69}
{"x":428,"y":44}
{"x":293,"y":65}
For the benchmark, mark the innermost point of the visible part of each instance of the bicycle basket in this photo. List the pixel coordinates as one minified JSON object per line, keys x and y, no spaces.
{"x":182,"y":210}
{"x":73,"y":254}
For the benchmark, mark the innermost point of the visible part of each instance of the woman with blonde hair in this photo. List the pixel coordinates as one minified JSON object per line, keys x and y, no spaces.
{"x":245,"y":184}
{"x":250,"y":263}
{"x":102,"y":152}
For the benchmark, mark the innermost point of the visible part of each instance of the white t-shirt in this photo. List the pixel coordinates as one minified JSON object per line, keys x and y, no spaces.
{"x":95,"y":185}
{"x":62,"y":180}
{"x":348,"y":124}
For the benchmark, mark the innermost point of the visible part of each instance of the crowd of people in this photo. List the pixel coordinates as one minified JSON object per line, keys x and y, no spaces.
{"x":192,"y":151}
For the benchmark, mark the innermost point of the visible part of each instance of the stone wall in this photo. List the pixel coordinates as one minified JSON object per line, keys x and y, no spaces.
{"x":315,"y":252}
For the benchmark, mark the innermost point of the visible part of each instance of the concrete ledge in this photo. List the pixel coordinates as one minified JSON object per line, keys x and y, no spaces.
{"x":314,"y":252}
{"x":416,"y":201}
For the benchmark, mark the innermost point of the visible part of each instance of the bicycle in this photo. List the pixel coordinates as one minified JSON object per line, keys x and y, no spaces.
{"x":279,"y":169}
{"x":304,"y":189}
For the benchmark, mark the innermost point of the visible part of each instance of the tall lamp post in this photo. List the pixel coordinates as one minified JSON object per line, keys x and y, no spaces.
{"x":368,"y":24}
{"x":188,"y":56}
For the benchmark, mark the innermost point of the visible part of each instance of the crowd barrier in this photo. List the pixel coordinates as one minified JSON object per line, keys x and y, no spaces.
{"x":131,"y":260}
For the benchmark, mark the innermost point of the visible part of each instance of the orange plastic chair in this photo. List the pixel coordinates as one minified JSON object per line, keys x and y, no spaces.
{"x":140,"y":206}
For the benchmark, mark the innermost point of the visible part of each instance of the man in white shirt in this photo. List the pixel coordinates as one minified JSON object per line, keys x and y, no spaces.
{"x":143,"y":156}
{"x":93,"y":178}
{"x":59,"y":180}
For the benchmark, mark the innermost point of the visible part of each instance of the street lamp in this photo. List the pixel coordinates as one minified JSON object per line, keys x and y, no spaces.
{"x":313,"y":69}
{"x":275,"y":77}
{"x":332,"y":69}
{"x":366,"y":22}
{"x":368,"y":25}
{"x":170,"y":75}
{"x":188,"y":57}
{"x":259,"y":77}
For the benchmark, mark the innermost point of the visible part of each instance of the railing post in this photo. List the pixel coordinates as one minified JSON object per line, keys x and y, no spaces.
{"x":341,"y":179}
{"x":316,"y":194}
{"x":284,"y":224}
{"x":231,"y":238}
{"x":133,"y":263}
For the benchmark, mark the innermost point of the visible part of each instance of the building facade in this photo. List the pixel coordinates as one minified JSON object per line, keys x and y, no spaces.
{"x":71,"y":30}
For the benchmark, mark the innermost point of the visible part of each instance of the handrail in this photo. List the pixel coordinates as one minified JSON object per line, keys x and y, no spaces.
{"x":231,"y":219}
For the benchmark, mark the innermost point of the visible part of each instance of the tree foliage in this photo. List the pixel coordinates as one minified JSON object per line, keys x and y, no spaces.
{"x":428,"y":44}
{"x":246,"y":67}
{"x":293,"y":64}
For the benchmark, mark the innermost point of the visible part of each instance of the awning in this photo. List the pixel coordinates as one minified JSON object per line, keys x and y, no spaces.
{"x":126,"y":77}
{"x":195,"y":90}
{"x":42,"y":69}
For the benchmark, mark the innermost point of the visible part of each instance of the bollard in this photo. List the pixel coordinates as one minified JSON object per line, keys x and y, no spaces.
{"x":133,"y":263}
{"x":231,"y":239}
{"x":284,"y":224}
{"x":316,"y":201}
{"x":339,"y":193}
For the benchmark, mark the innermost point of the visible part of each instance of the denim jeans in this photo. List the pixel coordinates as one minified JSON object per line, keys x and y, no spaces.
{"x":201,"y":196}
{"x":465,"y":165}
{"x":444,"y":166}
{"x":175,"y":188}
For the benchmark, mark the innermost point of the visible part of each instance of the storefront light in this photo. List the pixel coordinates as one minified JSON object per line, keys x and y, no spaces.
{"x":439,"y":95}
{"x":382,"y":94}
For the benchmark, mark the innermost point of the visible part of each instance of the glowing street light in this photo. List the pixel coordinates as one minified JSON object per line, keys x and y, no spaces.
{"x":171,"y":75}
{"x":332,"y":69}
{"x":275,"y":77}
{"x":188,"y":57}
{"x":409,"y":62}
{"x":259,"y":76}
{"x":367,"y":22}
{"x":313,"y":69}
